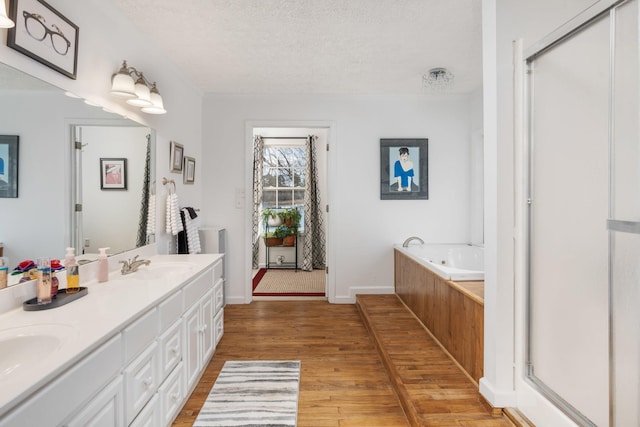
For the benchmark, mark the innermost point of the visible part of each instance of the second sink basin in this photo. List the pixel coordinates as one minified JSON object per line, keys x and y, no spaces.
{"x":28,"y":346}
{"x":160,"y":270}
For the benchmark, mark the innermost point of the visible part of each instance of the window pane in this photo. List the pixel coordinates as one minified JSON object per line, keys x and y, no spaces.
{"x":298,"y":177}
{"x":284,"y":198}
{"x":269,"y":198}
{"x":298,"y":199}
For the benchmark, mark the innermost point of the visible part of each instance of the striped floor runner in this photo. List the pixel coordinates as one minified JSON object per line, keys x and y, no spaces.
{"x":253,"y":393}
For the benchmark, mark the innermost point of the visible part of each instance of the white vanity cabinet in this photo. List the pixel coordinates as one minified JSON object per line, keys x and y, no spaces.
{"x":78,"y":394}
{"x":142,"y":374}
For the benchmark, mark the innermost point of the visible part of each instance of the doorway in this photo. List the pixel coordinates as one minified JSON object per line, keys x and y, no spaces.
{"x":288,"y":158}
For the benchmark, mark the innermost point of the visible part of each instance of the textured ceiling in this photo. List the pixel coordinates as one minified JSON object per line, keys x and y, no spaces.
{"x":315,"y":46}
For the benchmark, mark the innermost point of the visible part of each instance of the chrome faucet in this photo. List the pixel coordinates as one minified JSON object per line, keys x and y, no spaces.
{"x":131,"y":266}
{"x":406,"y":242}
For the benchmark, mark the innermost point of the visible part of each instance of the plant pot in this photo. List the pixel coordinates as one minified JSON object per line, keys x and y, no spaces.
{"x":289,"y":240}
{"x":273,"y":241}
{"x":274,"y":221}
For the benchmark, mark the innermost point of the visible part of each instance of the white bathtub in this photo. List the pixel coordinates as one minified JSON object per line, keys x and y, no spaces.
{"x":456,"y":262}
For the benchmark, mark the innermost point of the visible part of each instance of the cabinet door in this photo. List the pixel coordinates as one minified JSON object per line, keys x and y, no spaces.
{"x":104,"y":410}
{"x":191,"y":354}
{"x":141,"y":380}
{"x":150,"y":415}
{"x":172,"y":396}
{"x":207,"y":329}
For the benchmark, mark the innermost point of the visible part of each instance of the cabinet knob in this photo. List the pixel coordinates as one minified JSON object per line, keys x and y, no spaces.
{"x":175,"y":397}
{"x":175,"y":350}
{"x":147,"y":383}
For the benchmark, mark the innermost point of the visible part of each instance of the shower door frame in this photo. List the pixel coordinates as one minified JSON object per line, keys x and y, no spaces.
{"x":582,"y":21}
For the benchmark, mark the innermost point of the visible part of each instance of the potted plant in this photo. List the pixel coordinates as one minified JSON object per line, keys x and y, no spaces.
{"x":288,"y":235}
{"x":271,"y":217}
{"x":272,"y":239}
{"x":291,"y":218}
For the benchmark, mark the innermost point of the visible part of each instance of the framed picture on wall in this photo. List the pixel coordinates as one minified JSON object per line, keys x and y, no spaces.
{"x":189,"y":170}
{"x":404,"y":169}
{"x":44,"y":34}
{"x":113,"y":174}
{"x":175,"y":156}
{"x":9,"y":166}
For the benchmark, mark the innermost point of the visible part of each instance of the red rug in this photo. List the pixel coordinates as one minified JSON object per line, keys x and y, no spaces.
{"x":260,"y":274}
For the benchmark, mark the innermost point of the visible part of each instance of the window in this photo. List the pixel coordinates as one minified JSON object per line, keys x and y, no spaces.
{"x":283,"y":176}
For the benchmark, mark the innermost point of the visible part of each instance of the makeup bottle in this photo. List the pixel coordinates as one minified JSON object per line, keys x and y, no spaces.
{"x":73,"y":271}
{"x":4,"y":272}
{"x":43,"y":291}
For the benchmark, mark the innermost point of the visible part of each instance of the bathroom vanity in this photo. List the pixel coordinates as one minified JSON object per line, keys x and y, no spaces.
{"x":129,"y":353}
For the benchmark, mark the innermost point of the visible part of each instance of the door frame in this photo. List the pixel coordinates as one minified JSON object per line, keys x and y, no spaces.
{"x":330,"y":173}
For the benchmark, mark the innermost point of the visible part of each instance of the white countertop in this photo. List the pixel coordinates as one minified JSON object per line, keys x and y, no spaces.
{"x":88,"y":322}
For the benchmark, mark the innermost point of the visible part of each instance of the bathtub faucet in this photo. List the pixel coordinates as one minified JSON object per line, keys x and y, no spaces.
{"x":406,"y":242}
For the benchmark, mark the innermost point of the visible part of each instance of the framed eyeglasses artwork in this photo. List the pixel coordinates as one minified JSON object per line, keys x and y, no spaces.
{"x":44,"y":34}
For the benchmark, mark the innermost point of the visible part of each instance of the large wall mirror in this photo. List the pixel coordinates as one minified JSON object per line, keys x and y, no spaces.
{"x":54,"y":178}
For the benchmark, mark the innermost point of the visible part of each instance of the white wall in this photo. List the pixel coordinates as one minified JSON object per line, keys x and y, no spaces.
{"x":362,"y":228}
{"x":106,"y":38}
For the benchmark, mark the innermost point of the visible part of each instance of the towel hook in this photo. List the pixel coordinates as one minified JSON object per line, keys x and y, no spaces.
{"x":166,"y":181}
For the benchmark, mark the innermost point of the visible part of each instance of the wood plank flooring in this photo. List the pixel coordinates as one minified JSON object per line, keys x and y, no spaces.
{"x":343,"y":380}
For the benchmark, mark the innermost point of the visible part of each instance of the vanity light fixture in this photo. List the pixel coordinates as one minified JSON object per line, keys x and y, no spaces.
{"x":139,"y":92}
{"x":5,"y":22}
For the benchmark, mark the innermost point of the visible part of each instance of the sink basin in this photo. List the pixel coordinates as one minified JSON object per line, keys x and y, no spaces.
{"x":28,"y":346}
{"x":160,"y":270}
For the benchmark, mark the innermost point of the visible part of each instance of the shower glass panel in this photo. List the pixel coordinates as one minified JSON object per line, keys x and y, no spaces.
{"x":568,"y":240}
{"x":625,"y":213}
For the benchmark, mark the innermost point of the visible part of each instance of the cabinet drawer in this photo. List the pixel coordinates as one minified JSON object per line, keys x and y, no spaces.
{"x":140,"y":381}
{"x":150,"y":415}
{"x":198,"y":287}
{"x":140,"y":334}
{"x":170,"y":310}
{"x":218,"y":295}
{"x":172,"y":395}
{"x":104,"y":410}
{"x":170,"y":349}
{"x":218,"y":326}
{"x":51,"y":405}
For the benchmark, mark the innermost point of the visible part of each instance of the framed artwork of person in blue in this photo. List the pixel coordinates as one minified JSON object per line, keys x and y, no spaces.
{"x":404,"y":169}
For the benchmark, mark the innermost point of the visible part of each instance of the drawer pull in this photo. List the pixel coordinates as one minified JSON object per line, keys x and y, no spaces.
{"x":175,"y":397}
{"x":175,"y":350}
{"x":147,"y":383}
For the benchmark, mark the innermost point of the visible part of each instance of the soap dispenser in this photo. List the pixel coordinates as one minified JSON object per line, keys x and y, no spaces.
{"x":73,"y":271}
{"x":103,"y":265}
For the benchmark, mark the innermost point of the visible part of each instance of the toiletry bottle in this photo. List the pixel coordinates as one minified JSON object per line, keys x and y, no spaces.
{"x":43,"y":290}
{"x":103,"y":265}
{"x":73,"y":273}
{"x":55,"y":266}
{"x":4,"y":272}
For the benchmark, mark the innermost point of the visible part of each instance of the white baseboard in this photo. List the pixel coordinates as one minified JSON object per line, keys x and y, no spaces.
{"x":497,"y":399}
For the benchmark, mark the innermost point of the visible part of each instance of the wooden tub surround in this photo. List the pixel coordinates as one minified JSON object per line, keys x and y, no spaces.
{"x":452,"y":311}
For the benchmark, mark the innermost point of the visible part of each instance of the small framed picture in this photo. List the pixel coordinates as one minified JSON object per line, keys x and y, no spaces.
{"x":176,"y":154}
{"x":189,"y":170}
{"x":113,"y":174}
{"x":9,"y":166}
{"x":44,"y":34}
{"x":404,"y":170}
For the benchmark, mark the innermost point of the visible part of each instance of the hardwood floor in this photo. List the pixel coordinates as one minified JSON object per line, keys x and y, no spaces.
{"x":343,"y":380}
